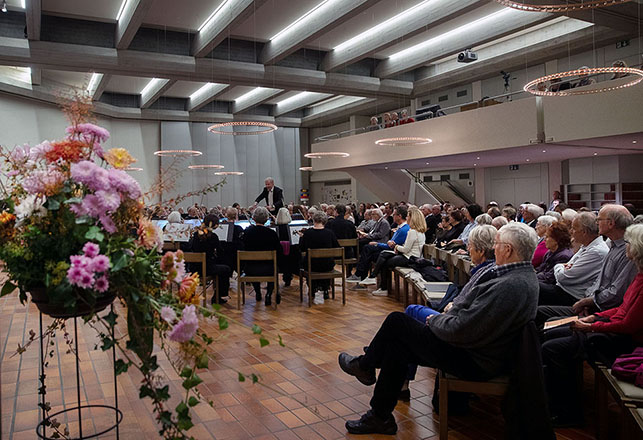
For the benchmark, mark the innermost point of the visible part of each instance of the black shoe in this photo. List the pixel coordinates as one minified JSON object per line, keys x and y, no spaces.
{"x":365,"y":349}
{"x":350,"y":365}
{"x":370,"y":424}
{"x":221,"y":300}
{"x":268,"y":299}
{"x":278,"y":298}
{"x":258,"y":296}
{"x":326,"y":294}
{"x":405,"y":395}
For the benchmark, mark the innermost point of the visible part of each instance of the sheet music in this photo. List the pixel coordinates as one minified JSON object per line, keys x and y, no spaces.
{"x":221,"y":231}
{"x":294,"y":237}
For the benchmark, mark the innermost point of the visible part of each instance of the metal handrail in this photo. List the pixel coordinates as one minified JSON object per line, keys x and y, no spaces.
{"x":359,"y":130}
{"x":418,"y":181}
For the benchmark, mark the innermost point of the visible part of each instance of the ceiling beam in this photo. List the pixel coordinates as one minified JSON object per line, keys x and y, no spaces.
{"x":442,"y":43}
{"x":33,"y":12}
{"x":154,"y":91}
{"x":205,"y":95}
{"x":296,"y":102}
{"x":258,"y":97}
{"x":511,"y":54}
{"x":329,"y":115}
{"x":323,"y":20}
{"x":36,"y":76}
{"x":231,"y":13}
{"x":130,"y":21}
{"x":101,"y":83}
{"x":74,"y":57}
{"x":410,"y":24}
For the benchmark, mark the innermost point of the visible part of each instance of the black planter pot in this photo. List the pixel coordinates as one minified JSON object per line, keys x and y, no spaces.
{"x":40,"y":298}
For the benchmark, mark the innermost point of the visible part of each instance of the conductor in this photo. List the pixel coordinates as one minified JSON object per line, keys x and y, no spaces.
{"x":273,"y":196}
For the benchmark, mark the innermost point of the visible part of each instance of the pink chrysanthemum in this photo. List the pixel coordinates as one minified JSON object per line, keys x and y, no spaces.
{"x":102,"y":284}
{"x":91,"y":249}
{"x":186,"y":328}
{"x":168,"y":314}
{"x":100,"y":263}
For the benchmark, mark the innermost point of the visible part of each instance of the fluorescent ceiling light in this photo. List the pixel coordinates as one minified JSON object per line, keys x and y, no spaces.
{"x":211,"y":17}
{"x":294,"y":23}
{"x":22,"y":4}
{"x":205,"y":89}
{"x":150,"y":85}
{"x":251,"y":93}
{"x":397,"y":20}
{"x":120,"y":11}
{"x":93,"y":82}
{"x":294,"y":98}
{"x":485,"y":21}
{"x":331,"y":99}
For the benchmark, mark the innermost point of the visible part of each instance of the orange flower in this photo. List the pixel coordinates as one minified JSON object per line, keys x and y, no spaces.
{"x":187,"y":290}
{"x":68,"y":150}
{"x":7,"y":217}
{"x":119,"y":158}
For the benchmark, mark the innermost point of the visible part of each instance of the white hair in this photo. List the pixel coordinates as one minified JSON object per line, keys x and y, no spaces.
{"x":569,"y":214}
{"x":523,"y":238}
{"x":499,"y":222}
{"x":634,"y":236}
{"x":547,"y":220}
{"x":484,"y":219}
{"x":283,"y":216}
{"x":175,"y":217}
{"x":555,"y":214}
{"x":269,"y":179}
{"x":534,"y":210}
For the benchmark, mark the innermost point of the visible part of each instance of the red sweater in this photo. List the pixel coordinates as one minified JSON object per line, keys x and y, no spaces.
{"x":628,"y":317}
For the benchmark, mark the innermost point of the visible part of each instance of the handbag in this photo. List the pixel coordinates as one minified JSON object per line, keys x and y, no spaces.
{"x":629,"y":367}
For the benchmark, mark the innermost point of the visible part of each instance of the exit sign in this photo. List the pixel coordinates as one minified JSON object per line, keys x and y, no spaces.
{"x":622,"y":43}
{"x":514,"y":167}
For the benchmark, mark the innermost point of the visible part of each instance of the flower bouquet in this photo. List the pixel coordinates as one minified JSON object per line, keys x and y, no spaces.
{"x":73,"y":235}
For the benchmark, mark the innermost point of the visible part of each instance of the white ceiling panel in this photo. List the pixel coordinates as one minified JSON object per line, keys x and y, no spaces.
{"x":183,"y":89}
{"x":101,"y":10}
{"x":283,"y":97}
{"x":272,"y":17}
{"x":127,"y":84}
{"x":234,"y":92}
{"x":182,"y":14}
{"x":74,"y":79}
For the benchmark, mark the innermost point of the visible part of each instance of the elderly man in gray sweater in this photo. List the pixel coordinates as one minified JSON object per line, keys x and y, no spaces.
{"x":476,"y":340}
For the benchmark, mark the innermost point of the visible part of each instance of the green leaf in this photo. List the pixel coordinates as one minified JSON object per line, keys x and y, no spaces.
{"x":281,"y":342}
{"x":255,"y":378}
{"x":119,"y":261}
{"x":186,"y":372}
{"x":107,"y":344}
{"x":192,"y":382}
{"x":121,"y":366}
{"x":202,"y":361}
{"x":193,"y":401}
{"x":256,"y":329}
{"x":7,"y":289}
{"x":223,"y":323}
{"x":185,"y":423}
{"x":206,"y":313}
{"x":182,"y":409}
{"x":94,"y":233}
{"x":145,"y":391}
{"x":263,"y":341}
{"x":53,"y":204}
{"x":163,"y":394}
{"x":242,"y":378}
{"x":110,"y":318}
{"x":73,"y":200}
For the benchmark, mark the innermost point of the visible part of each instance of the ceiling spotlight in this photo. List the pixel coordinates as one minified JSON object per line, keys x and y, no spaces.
{"x":427,"y":163}
{"x":544,"y":151}
{"x":595,"y":154}
{"x":305,"y":168}
{"x":386,"y":168}
{"x":478,"y":158}
{"x":4,"y":6}
{"x":634,"y":142}
{"x":527,"y":160}
{"x":475,"y":164}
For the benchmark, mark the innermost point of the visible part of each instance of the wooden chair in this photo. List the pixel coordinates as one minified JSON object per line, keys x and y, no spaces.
{"x":200,"y":257}
{"x":494,"y":387}
{"x":242,"y":279}
{"x":624,"y":394}
{"x":349,"y":243}
{"x":309,"y":275}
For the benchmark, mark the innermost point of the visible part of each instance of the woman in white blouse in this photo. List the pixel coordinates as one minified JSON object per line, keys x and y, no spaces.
{"x":412,"y":247}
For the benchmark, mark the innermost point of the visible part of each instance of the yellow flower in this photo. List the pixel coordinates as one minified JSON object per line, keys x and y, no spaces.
{"x":119,"y":158}
{"x":187,"y":290}
{"x":6,"y":217}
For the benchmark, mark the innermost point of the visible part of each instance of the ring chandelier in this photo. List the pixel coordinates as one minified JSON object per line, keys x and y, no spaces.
{"x":229,"y":173}
{"x":403,"y":141}
{"x":205,"y":167}
{"x":264,"y":127}
{"x":175,"y":153}
{"x":531,"y":86}
{"x":305,"y":168}
{"x":560,"y":7}
{"x":133,"y":169}
{"x":323,"y":154}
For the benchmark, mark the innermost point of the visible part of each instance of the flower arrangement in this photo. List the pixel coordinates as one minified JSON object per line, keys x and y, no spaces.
{"x":72,"y":228}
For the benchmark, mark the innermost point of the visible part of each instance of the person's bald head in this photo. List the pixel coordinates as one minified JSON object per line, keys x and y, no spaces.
{"x":613,"y":220}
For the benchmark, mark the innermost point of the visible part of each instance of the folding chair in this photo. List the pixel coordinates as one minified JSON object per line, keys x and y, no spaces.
{"x":242,"y":279}
{"x":309,"y":275}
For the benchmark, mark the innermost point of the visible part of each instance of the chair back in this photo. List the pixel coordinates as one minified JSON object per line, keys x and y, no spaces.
{"x":326,"y":253}
{"x":256,"y":256}
{"x":198,"y":257}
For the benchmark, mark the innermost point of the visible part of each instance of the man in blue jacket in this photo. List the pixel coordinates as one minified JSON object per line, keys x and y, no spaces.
{"x":372,"y":251}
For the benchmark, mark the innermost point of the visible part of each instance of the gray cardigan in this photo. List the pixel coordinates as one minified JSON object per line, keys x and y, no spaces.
{"x":488,"y":323}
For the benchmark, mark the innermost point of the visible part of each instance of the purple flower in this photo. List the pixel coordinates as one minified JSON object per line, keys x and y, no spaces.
{"x":168,"y":314}
{"x":20,"y":154}
{"x":124,"y":183}
{"x":86,"y":280}
{"x":80,"y":261}
{"x":90,"y":249}
{"x":89,"y":130}
{"x":110,"y":200}
{"x":90,"y":174}
{"x":101,"y":284}
{"x":186,"y":328}
{"x":99,"y":263}
{"x":38,"y":152}
{"x":108,"y":223}
{"x":74,"y":274}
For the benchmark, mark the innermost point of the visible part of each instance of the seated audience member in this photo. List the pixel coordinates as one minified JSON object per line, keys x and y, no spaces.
{"x":387,"y":210}
{"x":371,"y":252}
{"x":319,"y":237}
{"x":638,"y":220}
{"x":556,"y":199}
{"x":509,"y":212}
{"x":343,"y":228}
{"x":349,"y":215}
{"x":457,"y":227}
{"x":234,"y":240}
{"x":471,"y":212}
{"x":330,"y":212}
{"x":556,"y":215}
{"x":433,"y":220}
{"x":601,"y":336}
{"x":544,"y":222}
{"x":258,"y":237}
{"x":386,"y":120}
{"x":494,"y":212}
{"x":395,"y":119}
{"x":531,"y":213}
{"x":474,"y":340}
{"x":499,"y":222}
{"x":367,"y":224}
{"x":558,"y":242}
{"x":404,"y":117}
{"x":412,"y":247}
{"x":374,"y":124}
{"x":286,"y":264}
{"x":379,"y":232}
{"x":443,"y":228}
{"x":568,"y":215}
{"x":205,"y":240}
{"x":484,"y":219}
{"x":585,"y":79}
{"x":614,"y":275}
{"x":561,"y":207}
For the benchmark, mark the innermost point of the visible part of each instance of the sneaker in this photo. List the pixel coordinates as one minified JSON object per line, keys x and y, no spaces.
{"x":353,"y":279}
{"x":370,"y":424}
{"x":369,"y":281}
{"x":380,"y":292}
{"x":350,"y":365}
{"x":359,"y":287}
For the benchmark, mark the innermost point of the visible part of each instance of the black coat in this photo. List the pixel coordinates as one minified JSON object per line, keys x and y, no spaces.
{"x":260,"y":238}
{"x":343,"y":229}
{"x":277,"y":198}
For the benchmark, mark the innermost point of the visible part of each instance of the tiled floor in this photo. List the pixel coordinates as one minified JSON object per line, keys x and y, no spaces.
{"x":303,"y":394}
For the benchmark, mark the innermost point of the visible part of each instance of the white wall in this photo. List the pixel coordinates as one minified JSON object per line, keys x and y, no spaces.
{"x":529,"y":183}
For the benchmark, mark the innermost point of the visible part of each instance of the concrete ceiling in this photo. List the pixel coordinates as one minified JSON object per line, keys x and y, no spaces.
{"x":383,"y":51}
